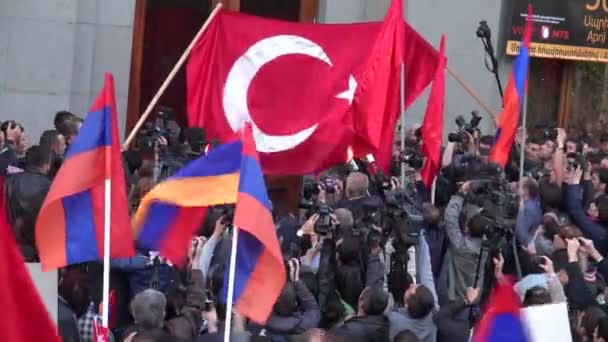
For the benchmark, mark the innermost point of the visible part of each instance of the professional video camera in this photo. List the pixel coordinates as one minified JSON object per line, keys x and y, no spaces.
{"x":151,"y":132}
{"x":499,"y":205}
{"x":466,"y":130}
{"x":311,"y":189}
{"x":412,"y":158}
{"x":469,"y":167}
{"x":324,"y":223}
{"x":402,"y":218}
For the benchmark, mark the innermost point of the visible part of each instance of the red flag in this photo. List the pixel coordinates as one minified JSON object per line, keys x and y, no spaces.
{"x":432,"y":126}
{"x":25,"y":318}
{"x":295,"y":82}
{"x":377,"y":96}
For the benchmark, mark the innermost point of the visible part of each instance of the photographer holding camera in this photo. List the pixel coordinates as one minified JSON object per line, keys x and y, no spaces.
{"x":464,"y":247}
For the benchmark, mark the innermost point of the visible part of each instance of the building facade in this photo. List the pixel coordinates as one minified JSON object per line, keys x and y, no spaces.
{"x":53,"y":54}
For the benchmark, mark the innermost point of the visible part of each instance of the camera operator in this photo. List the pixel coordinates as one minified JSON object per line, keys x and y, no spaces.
{"x":460,"y":262}
{"x":356,"y":193}
{"x":420,"y":300}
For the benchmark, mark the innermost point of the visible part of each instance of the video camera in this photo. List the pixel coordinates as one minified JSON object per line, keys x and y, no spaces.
{"x":402,"y":218}
{"x":312,"y":189}
{"x":466,"y":129}
{"x":151,"y":132}
{"x":499,"y":205}
{"x":470,"y":167}
{"x":324,"y":223}
{"x":483,"y":31}
{"x":412,"y":158}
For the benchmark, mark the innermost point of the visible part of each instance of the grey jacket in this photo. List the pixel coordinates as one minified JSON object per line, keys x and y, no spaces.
{"x":460,"y":260}
{"x":400,"y":320}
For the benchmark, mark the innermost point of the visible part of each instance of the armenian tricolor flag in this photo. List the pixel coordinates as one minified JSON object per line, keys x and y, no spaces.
{"x":70,"y":225}
{"x":260,"y":272}
{"x":513,"y":99}
{"x":173,"y":211}
{"x":502,"y":322}
{"x":230,"y":173}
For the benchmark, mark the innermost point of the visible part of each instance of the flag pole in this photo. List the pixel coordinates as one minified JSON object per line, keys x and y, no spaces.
{"x":523,"y":143}
{"x":106,"y":252}
{"x":402,"y":109}
{"x":231,"y":278}
{"x":170,"y":77}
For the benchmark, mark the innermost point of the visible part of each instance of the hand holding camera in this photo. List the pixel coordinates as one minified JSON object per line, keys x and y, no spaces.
{"x":588,"y":247}
{"x":574,"y":175}
{"x":546,"y":264}
{"x":196,"y":248}
{"x":220,"y":226}
{"x":308,"y":228}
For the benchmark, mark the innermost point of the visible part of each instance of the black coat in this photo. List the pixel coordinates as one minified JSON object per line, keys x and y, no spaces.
{"x":66,"y":322}
{"x":8,"y":157}
{"x":26,"y":192}
{"x":363,"y":329}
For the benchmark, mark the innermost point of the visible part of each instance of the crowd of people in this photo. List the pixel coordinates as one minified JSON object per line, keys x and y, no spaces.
{"x":369,"y":257}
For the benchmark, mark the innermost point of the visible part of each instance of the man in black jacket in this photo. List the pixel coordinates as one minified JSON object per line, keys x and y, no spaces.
{"x":26,"y":193}
{"x":370,"y":324}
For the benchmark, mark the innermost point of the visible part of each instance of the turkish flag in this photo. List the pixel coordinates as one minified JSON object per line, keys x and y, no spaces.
{"x":295,"y":82}
{"x":432,"y":126}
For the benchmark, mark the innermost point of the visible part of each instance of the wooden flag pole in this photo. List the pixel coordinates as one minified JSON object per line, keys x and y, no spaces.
{"x":170,"y":77}
{"x":474,"y":95}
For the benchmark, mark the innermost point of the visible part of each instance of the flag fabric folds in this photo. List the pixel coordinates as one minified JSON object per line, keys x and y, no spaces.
{"x":70,"y":225}
{"x":513,"y":100}
{"x":296,"y":83}
{"x":378,"y":90}
{"x":501,"y":322}
{"x":432,"y":126}
{"x":26,"y":319}
{"x":259,"y":273}
{"x":172,"y":211}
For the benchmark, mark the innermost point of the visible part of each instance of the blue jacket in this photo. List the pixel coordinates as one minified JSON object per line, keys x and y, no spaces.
{"x":592,"y":230}
{"x":528,"y":220}
{"x":140,"y":271}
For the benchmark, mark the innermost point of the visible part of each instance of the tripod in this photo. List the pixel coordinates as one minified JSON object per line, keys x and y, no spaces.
{"x":491,"y":248}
